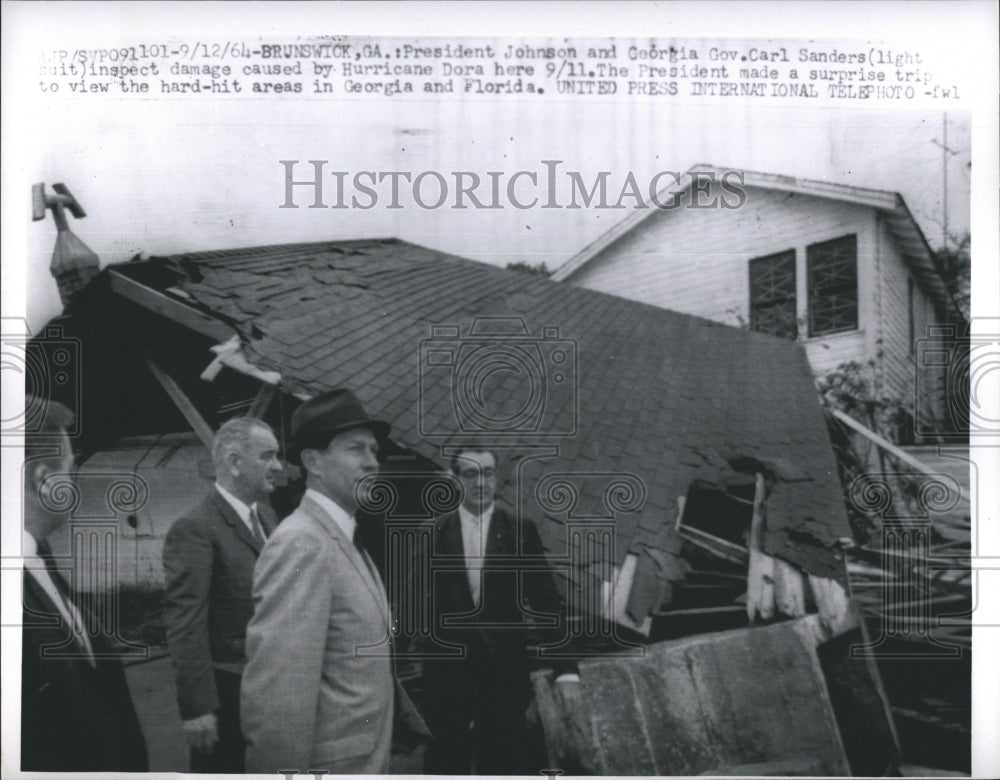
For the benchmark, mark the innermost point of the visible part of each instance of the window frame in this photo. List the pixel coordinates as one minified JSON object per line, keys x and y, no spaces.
{"x":775,"y":258}
{"x":828,"y":288}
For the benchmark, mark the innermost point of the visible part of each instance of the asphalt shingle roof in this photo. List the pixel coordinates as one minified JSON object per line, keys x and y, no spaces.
{"x":621,"y":388}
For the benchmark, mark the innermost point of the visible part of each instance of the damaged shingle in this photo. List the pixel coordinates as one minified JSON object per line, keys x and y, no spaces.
{"x":666,"y":397}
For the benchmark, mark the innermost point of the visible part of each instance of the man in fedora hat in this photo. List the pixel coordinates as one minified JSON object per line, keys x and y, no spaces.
{"x":319,"y":692}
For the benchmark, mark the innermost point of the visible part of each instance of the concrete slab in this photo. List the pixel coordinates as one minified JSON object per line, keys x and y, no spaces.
{"x":702,"y":704}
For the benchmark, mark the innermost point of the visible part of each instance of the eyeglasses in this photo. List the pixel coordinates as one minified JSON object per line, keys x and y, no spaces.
{"x":476,"y":473}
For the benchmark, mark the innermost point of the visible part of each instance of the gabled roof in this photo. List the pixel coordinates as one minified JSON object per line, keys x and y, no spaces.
{"x":639,"y":393}
{"x":906,"y":232}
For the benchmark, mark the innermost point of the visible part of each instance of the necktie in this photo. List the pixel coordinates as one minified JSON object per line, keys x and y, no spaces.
{"x":258,"y":529}
{"x":356,"y":538}
{"x":475,"y":551}
{"x":44,"y":550}
{"x":45,"y":553}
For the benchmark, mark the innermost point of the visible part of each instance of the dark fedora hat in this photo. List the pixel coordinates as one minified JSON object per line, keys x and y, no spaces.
{"x":319,"y":419}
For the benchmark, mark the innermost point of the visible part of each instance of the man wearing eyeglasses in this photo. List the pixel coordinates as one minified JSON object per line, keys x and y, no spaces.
{"x":475,"y":705}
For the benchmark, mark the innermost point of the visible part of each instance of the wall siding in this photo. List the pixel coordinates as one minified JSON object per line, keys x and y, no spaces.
{"x":898,"y":366}
{"x":696,"y":261}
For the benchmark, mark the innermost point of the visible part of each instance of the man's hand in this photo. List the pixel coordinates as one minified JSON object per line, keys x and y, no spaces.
{"x":202,"y":732}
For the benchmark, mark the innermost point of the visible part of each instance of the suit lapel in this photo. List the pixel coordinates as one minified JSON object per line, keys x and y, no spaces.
{"x":449,"y":544}
{"x":46,"y":614}
{"x":364,"y":569}
{"x":233,"y":520}
{"x":449,"y":541}
{"x":500,"y":540}
{"x":38,"y":605}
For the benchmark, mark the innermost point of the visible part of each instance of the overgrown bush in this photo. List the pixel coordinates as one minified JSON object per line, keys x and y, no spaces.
{"x":853,"y":388}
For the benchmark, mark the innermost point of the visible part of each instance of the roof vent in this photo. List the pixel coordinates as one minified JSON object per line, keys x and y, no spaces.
{"x":74,"y":264}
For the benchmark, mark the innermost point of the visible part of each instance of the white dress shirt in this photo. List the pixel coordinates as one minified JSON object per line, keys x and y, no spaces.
{"x":475,"y":532}
{"x":346,"y":523}
{"x":70,"y":614}
{"x":242,"y":509}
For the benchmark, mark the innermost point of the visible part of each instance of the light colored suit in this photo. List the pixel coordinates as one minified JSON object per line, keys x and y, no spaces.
{"x":318,"y":691}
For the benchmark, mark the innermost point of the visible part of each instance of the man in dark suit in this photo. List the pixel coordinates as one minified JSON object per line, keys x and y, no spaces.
{"x":76,"y":711}
{"x":482,"y":608}
{"x":208,"y":561}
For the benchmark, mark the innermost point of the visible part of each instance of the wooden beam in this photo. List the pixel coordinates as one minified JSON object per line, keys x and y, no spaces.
{"x":166,"y":306}
{"x":889,"y":447}
{"x":182,"y":402}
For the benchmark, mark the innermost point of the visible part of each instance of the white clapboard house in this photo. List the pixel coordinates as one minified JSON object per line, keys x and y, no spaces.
{"x":844,"y":270}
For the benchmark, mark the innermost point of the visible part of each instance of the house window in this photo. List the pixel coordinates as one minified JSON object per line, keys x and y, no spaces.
{"x":832,"y":270}
{"x":772,"y":295}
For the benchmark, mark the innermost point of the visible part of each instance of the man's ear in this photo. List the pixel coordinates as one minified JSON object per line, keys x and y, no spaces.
{"x":39,"y":473}
{"x":308,"y":459}
{"x":233,"y":463}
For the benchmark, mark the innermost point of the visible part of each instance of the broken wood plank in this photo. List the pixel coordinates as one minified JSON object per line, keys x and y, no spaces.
{"x":723,"y":699}
{"x":698,"y":611}
{"x":891,"y":448}
{"x":860,"y":706}
{"x":567,"y":729}
{"x":167,"y":307}
{"x":182,"y":402}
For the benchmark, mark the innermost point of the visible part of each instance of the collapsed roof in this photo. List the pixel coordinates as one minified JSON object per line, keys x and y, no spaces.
{"x":626,"y":403}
